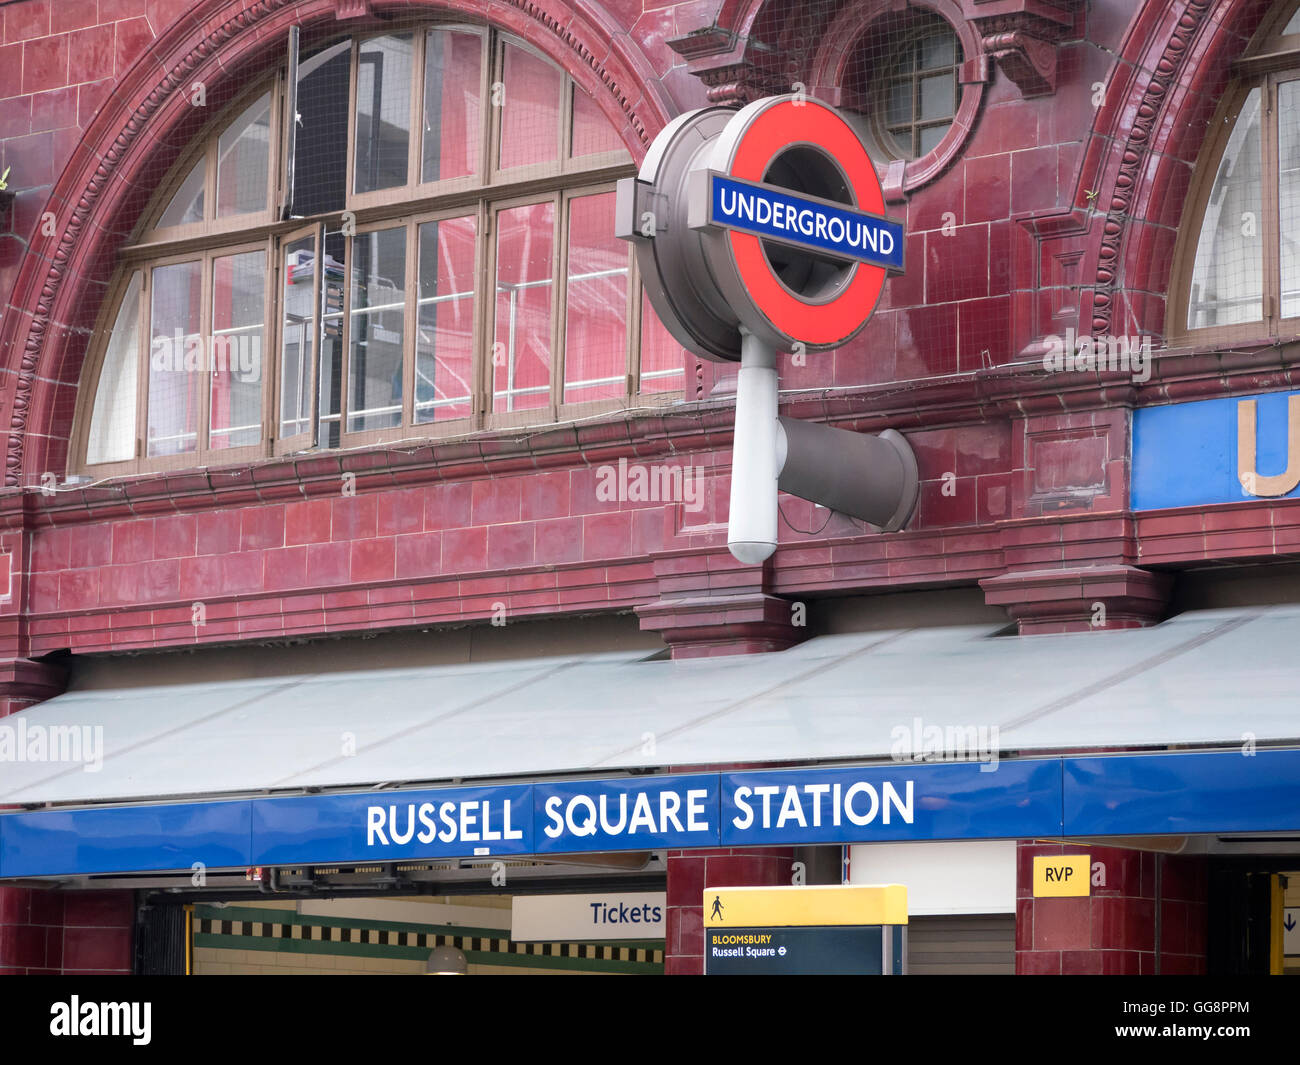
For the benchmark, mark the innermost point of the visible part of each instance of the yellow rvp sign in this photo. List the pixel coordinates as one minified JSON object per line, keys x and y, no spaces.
{"x":813,"y":905}
{"x":1060,"y":876}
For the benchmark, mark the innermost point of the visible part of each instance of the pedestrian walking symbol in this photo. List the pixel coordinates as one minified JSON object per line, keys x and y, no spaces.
{"x":716,"y":914}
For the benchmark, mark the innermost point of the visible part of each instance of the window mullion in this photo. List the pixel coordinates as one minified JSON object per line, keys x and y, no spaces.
{"x":559,"y":298}
{"x":270,"y":361}
{"x":1270,"y":175}
{"x":484,"y":314}
{"x":415,"y":135}
{"x":410,"y":339}
{"x":350,"y":161}
{"x":207,"y":289}
{"x":632,"y":334}
{"x":345,"y":364}
{"x":142,"y":366}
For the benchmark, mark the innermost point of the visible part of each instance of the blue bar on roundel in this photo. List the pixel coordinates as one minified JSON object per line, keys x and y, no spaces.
{"x":809,"y":223}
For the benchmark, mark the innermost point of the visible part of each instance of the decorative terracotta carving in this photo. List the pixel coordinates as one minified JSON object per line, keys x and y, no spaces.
{"x":1138,"y":145}
{"x":1027,"y":60}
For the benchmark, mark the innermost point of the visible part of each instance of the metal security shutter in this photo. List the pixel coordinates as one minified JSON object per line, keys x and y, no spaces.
{"x":971,"y":946}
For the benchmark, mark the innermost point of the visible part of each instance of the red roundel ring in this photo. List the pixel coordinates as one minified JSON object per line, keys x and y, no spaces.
{"x":785,"y":122}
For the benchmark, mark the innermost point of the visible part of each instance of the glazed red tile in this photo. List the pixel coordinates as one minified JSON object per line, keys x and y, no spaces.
{"x":494,"y":501}
{"x":401,"y":511}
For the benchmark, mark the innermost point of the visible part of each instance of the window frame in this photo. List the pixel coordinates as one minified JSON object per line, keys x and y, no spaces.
{"x":482,"y":195}
{"x":884,"y":134}
{"x":206,"y":148}
{"x":1270,"y":62}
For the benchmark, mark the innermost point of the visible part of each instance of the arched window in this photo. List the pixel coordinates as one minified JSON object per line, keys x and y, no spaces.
{"x":426,"y":249}
{"x":1238,"y":273}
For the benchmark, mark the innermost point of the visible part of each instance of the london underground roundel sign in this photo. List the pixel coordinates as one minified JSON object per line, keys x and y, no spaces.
{"x":769,"y":219}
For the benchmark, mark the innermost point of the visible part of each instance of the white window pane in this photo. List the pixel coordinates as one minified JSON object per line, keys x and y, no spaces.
{"x":937,"y":51}
{"x":297,"y":336}
{"x":899,"y":110}
{"x":1288,"y":190}
{"x":187,"y":205}
{"x":176,"y":357}
{"x":932,"y":135}
{"x":238,"y":327}
{"x":112,"y":424}
{"x":1228,"y":275}
{"x":937,"y":96}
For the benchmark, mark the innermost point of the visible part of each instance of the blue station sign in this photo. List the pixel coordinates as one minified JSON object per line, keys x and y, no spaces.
{"x":1227,"y":450}
{"x":804,"y":221}
{"x":1137,"y":794}
{"x":957,"y":800}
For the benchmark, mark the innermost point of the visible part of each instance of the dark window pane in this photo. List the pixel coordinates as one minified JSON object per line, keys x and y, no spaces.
{"x":320,"y":170}
{"x":331,"y":352}
{"x":378,"y":270}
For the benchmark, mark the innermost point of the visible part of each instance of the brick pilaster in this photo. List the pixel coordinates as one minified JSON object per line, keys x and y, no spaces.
{"x":690,"y":872}
{"x":1113,"y":932}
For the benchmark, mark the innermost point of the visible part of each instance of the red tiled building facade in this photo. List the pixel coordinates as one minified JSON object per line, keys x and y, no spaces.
{"x":1053,"y":199}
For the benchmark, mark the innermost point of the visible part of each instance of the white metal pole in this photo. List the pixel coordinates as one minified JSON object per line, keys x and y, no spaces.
{"x":751,"y":519}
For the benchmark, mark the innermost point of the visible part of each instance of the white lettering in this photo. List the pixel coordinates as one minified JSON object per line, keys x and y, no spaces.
{"x":556,"y":826}
{"x":854,"y":816}
{"x":741,"y":799}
